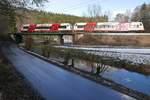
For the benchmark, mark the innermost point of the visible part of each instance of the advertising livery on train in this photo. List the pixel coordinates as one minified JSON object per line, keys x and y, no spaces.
{"x":85,"y":27}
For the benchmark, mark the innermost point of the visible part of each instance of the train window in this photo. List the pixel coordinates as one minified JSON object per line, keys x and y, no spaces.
{"x":109,"y":26}
{"x":43,"y":27}
{"x":63,"y":26}
{"x":26,"y":27}
{"x":134,"y":26}
{"x":138,"y":26}
{"x":106,"y":26}
{"x":80,"y":26}
{"x":97,"y":26}
{"x":101,"y":26}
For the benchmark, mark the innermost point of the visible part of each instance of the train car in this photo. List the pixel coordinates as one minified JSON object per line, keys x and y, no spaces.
{"x":120,"y":27}
{"x":63,"y":27}
{"x":109,"y":27}
{"x":85,"y":27}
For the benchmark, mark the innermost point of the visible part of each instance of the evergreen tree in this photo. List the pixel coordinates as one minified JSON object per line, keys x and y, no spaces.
{"x":142,"y":13}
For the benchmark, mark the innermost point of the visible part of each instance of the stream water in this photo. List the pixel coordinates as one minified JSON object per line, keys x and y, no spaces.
{"x":129,"y":79}
{"x":133,"y":80}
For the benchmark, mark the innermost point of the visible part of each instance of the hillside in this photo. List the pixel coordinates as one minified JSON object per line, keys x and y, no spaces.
{"x":25,"y":16}
{"x":33,"y":16}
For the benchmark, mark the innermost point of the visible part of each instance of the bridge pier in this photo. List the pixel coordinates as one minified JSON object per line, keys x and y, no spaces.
{"x":70,"y":38}
{"x":61,"y":39}
{"x":76,"y":37}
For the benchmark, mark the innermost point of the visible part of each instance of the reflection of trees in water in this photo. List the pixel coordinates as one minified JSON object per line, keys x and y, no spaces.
{"x":100,"y":68}
{"x":97,"y":68}
{"x":90,"y":64}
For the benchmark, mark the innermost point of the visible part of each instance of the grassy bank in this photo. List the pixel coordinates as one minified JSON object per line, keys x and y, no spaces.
{"x":13,"y":85}
{"x":134,"y":41}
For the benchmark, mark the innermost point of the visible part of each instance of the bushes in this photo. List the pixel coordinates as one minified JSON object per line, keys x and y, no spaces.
{"x":7,"y":19}
{"x":73,"y":54}
{"x":101,"y":61}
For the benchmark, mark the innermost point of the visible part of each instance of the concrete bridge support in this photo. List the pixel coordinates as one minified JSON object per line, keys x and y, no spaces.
{"x":61,"y":39}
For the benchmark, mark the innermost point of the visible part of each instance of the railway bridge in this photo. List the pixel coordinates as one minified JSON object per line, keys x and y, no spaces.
{"x":73,"y":36}
{"x":63,"y":36}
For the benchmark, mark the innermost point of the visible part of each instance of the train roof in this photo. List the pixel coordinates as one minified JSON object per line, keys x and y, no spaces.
{"x":43,"y":24}
{"x":65,"y":24}
{"x":26,"y":24}
{"x":107,"y":23}
{"x":80,"y":23}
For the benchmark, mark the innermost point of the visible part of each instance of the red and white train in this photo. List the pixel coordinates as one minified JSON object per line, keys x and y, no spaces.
{"x":85,"y":27}
{"x":46,"y":27}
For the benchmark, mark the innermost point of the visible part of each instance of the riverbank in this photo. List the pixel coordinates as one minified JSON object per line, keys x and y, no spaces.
{"x":12,"y":85}
{"x":115,"y":40}
{"x":101,"y":80}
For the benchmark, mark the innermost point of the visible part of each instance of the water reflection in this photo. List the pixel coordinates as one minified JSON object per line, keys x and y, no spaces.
{"x":129,"y":76}
{"x":129,"y":79}
{"x":92,"y":67}
{"x":119,"y":75}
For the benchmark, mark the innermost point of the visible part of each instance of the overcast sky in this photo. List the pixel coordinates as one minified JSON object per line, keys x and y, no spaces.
{"x":79,"y":7}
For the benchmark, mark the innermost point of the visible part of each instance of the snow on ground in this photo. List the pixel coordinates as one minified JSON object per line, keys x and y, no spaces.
{"x":134,"y":58}
{"x":134,"y":55}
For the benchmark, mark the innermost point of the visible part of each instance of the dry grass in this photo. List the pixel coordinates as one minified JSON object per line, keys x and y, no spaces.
{"x":115,"y":40}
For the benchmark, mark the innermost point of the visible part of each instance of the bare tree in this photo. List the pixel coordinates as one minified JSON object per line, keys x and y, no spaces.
{"x":127,"y":16}
{"x":94,"y":12}
{"x":123,"y":17}
{"x":107,"y":14}
{"x":24,"y":3}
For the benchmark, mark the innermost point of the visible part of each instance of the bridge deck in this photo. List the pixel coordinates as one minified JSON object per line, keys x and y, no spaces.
{"x":73,"y":33}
